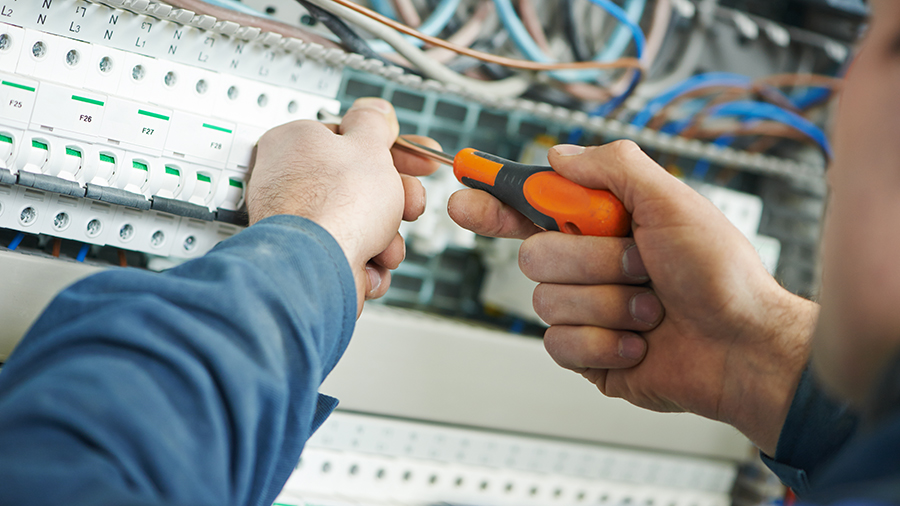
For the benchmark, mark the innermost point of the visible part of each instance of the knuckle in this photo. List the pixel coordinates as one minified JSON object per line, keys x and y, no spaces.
{"x":623,"y":149}
{"x":542,"y":303}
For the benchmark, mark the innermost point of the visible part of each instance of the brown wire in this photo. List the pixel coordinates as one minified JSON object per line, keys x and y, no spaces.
{"x":767,"y":87}
{"x":123,"y":259}
{"x":57,"y":246}
{"x":500,"y":60}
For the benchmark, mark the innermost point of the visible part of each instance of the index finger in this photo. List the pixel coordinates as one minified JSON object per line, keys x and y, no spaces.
{"x":481,"y":213}
{"x":371,"y":119}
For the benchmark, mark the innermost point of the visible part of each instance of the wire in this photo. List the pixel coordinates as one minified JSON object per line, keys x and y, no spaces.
{"x":570,"y":27}
{"x":687,"y":64}
{"x":532,"y":22}
{"x":349,"y":39}
{"x":623,"y":33}
{"x":467,"y":33}
{"x":16,"y":241}
{"x":57,"y":246}
{"x":700,"y":81}
{"x":123,"y":258}
{"x":407,"y":13}
{"x":747,"y":110}
{"x":253,"y":20}
{"x":662,"y":19}
{"x":509,"y":87}
{"x":385,"y":8}
{"x":530,"y":49}
{"x":83,"y":252}
{"x":732,"y":88}
{"x":434,"y":25}
{"x":347,"y":6}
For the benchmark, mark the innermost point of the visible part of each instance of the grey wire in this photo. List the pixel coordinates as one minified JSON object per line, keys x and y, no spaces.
{"x":505,"y":88}
{"x":349,"y":38}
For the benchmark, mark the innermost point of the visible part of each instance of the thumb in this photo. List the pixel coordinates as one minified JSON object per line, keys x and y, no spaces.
{"x":624,"y":169}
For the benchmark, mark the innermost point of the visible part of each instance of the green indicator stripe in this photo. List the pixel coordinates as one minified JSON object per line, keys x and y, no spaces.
{"x":40,"y":145}
{"x":17,"y":85}
{"x":73,"y":152}
{"x":5,"y":138}
{"x":152,"y":115}
{"x":107,"y":158}
{"x":214,"y":127}
{"x":138,"y":165}
{"x":87,"y":100}
{"x":235,"y":183}
{"x":173,"y":171}
{"x":205,"y":179}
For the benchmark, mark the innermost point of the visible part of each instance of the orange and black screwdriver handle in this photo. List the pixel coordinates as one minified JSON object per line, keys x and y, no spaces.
{"x":551,"y":201}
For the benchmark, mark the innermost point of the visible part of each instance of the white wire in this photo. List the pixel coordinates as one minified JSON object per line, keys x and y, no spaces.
{"x":505,"y":88}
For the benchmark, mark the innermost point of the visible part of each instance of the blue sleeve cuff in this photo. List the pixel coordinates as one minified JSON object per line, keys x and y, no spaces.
{"x":815,"y":429}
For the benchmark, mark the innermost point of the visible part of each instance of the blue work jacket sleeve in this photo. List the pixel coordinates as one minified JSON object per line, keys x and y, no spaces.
{"x":193,"y":386}
{"x":815,"y":430}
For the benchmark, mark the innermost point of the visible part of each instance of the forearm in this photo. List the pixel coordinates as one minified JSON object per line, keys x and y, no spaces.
{"x":195,"y":385}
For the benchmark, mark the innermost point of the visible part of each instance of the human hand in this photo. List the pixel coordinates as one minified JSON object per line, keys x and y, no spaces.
{"x":349,"y":180}
{"x":681,"y":317}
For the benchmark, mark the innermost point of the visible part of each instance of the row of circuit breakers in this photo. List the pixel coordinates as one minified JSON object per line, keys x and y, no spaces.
{"x":125,"y":130}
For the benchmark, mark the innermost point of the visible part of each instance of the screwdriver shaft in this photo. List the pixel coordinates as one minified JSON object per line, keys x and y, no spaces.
{"x":425,"y":151}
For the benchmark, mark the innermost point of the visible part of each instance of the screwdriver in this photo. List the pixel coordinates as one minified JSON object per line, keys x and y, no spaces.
{"x":549,"y":200}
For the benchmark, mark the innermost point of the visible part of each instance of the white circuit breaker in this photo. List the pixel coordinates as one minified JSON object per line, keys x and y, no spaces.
{"x":123,"y":129}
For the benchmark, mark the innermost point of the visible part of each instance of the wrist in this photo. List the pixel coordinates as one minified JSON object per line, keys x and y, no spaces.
{"x":759,"y":389}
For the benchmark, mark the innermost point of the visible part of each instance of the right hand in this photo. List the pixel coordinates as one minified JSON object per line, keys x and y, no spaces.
{"x":681,"y":317}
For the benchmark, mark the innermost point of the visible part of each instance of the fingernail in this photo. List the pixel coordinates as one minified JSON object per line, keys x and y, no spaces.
{"x":568,"y":150}
{"x":645,"y":307}
{"x":632,"y":347}
{"x":372,"y":103}
{"x":633,"y":264}
{"x":374,"y":279}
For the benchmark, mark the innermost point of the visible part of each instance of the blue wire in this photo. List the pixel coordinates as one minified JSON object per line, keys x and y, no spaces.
{"x":385,"y":8}
{"x":614,"y":103}
{"x":761,"y":110}
{"x":699,"y":81}
{"x":530,"y":49}
{"x":16,"y":241}
{"x":82,"y":253}
{"x":810,"y":97}
{"x":435,"y":24}
{"x":630,"y":17}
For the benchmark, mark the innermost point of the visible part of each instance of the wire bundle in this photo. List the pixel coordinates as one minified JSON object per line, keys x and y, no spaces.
{"x":752,"y":109}
{"x":585,"y":54}
{"x":479,"y":45}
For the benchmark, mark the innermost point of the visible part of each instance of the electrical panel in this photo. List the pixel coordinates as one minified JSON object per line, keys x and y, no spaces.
{"x":119,"y":129}
{"x":126,"y":135}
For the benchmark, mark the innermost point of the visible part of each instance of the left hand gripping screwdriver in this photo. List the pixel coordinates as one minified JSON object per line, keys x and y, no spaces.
{"x":551,"y":201}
